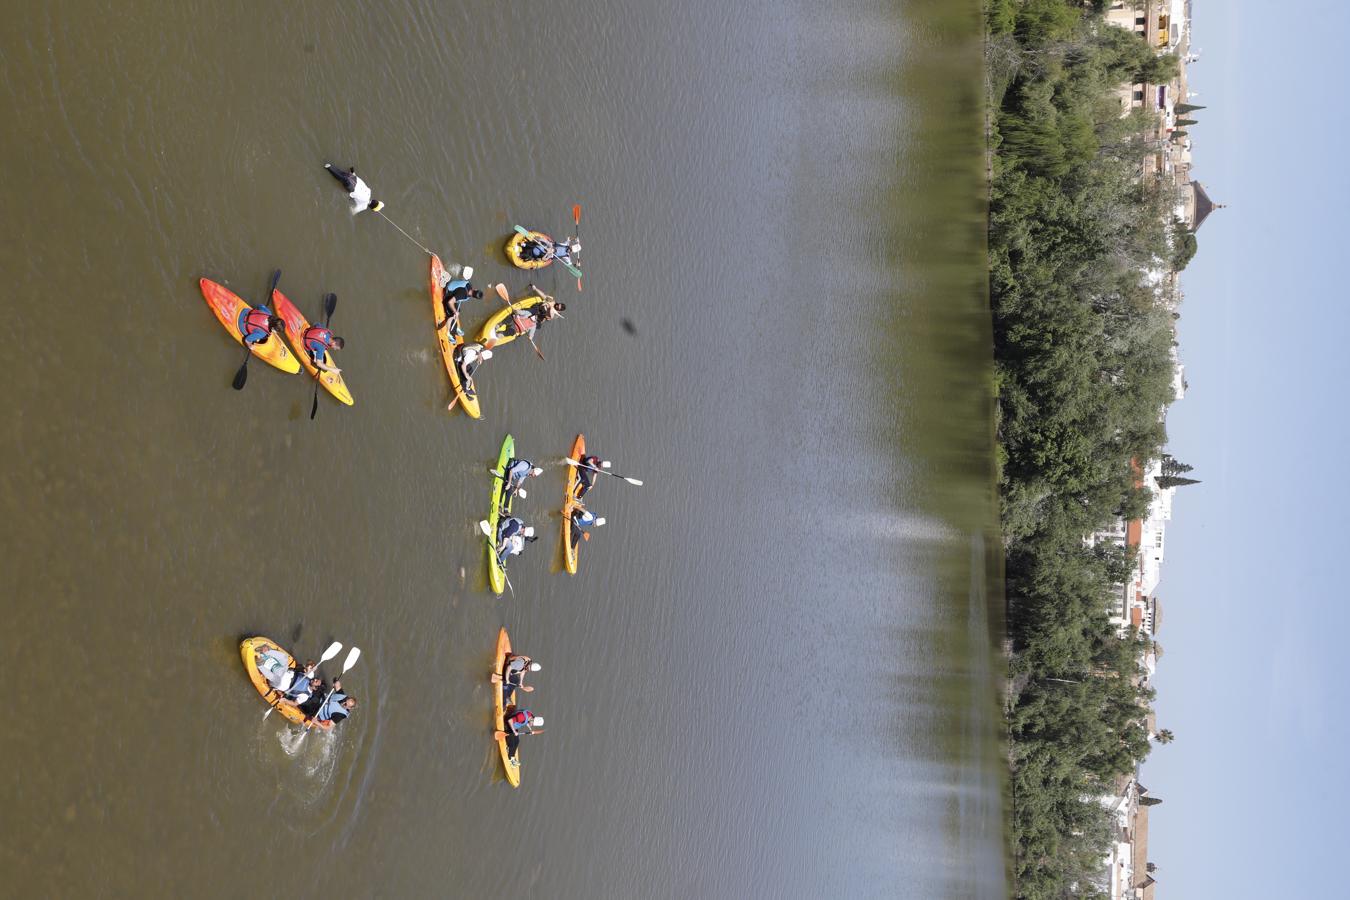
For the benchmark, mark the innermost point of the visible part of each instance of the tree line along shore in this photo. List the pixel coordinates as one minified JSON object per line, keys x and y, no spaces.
{"x":1084,"y":368}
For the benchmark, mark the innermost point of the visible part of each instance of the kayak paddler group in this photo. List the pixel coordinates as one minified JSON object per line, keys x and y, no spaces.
{"x":296,"y":690}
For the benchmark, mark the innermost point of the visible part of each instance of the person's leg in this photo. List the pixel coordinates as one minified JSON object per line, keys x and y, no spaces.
{"x":512,"y":744}
{"x":508,"y":691}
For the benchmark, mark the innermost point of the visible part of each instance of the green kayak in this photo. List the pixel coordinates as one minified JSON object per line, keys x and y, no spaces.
{"x":496,"y":574}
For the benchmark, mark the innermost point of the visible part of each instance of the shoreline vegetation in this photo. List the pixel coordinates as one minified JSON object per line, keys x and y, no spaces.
{"x":1083,"y":347}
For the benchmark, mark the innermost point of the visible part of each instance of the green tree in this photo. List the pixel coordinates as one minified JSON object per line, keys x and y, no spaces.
{"x":1168,"y":481}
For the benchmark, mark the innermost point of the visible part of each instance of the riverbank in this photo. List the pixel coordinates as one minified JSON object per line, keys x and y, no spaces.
{"x":1082,"y":368}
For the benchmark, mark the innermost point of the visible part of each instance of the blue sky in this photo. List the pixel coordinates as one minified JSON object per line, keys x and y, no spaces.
{"x":1255,"y":621}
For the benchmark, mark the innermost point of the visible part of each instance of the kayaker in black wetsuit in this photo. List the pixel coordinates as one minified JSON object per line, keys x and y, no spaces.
{"x":453,"y":293}
{"x":586,"y":473}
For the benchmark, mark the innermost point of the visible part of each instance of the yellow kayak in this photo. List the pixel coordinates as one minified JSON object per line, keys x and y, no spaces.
{"x":569,"y":501}
{"x":498,"y":329}
{"x":248,"y":651}
{"x":517,"y":241}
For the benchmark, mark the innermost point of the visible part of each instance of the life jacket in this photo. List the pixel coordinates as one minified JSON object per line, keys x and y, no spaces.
{"x":518,"y":471}
{"x":583,"y":518}
{"x":256,"y":319}
{"x":562,"y":251}
{"x":317,"y":339}
{"x":521,"y":720}
{"x":300,"y":685}
{"x":509,"y":527}
{"x":458,"y":284}
{"x":332,"y":710}
{"x":524,"y":322}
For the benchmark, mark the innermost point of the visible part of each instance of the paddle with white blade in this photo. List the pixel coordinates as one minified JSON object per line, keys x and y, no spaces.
{"x":352,"y":656}
{"x":333,"y":650}
{"x":580,"y":465}
{"x":484,"y":527}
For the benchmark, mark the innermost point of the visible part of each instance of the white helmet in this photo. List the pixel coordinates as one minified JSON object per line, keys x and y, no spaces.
{"x":535,"y":667}
{"x":604,"y":464}
{"x":576,"y":245}
{"x":529,"y":531}
{"x":467,"y":273}
{"x":537,"y":722}
{"x":487,"y":354}
{"x":536,"y":471}
{"x":600,"y":521}
{"x":522,"y":492}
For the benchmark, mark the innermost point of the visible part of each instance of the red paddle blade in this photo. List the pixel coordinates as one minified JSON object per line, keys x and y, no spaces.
{"x":576,"y":213}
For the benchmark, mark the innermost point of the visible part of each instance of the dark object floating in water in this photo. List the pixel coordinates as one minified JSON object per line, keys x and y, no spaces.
{"x":629,"y":327}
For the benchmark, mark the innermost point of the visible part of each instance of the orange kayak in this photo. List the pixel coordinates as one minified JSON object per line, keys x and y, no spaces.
{"x":448,"y":341}
{"x":510,"y":763}
{"x":229,"y":309}
{"x":296,"y":326}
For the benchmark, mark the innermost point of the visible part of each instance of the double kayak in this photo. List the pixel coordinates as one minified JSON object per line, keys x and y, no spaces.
{"x":509,"y":762}
{"x":248,"y":651}
{"x":448,"y":341}
{"x":230,"y":310}
{"x":569,"y":503}
{"x":496,"y":574}
{"x":296,"y":326}
{"x":515,"y":247}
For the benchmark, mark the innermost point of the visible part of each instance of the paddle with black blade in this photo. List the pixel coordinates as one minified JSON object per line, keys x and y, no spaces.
{"x":242,"y":375}
{"x":333,"y":650}
{"x":580,"y":465}
{"x":352,"y":656}
{"x":576,"y":217}
{"x":329,"y":305}
{"x":506,"y":298}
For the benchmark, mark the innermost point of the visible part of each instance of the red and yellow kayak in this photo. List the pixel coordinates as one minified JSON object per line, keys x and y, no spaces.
{"x":228,"y":308}
{"x":448,"y":341}
{"x":248,"y":651}
{"x":296,"y":326}
{"x":510,"y":763}
{"x":569,"y":501}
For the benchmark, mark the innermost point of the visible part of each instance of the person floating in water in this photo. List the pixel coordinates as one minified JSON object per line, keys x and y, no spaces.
{"x":357,"y":189}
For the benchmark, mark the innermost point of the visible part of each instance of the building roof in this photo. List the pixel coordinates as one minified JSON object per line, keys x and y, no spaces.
{"x":1157,"y":615}
{"x":1203,"y":205}
{"x":1133,"y":532}
{"x":1139,"y":850}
